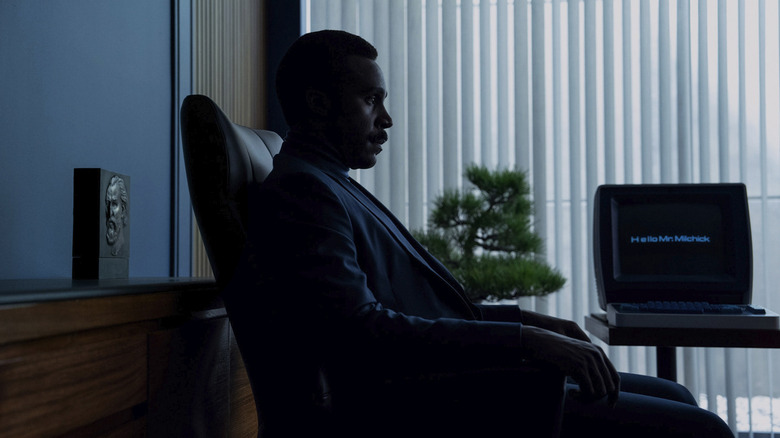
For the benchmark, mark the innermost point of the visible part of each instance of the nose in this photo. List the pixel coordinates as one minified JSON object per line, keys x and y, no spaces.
{"x":384,"y":120}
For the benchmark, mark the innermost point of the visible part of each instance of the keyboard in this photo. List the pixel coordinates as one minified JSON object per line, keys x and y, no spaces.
{"x":695,"y":307}
{"x":676,"y":314}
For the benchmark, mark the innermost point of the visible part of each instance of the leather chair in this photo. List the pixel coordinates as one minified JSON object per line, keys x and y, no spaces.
{"x":221,"y":159}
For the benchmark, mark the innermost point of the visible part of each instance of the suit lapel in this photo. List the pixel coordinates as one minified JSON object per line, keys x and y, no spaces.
{"x":383,"y":216}
{"x":401,"y":236}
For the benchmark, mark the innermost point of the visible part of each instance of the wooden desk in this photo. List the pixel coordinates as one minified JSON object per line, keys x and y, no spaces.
{"x":667,"y":339}
{"x":135,"y":357}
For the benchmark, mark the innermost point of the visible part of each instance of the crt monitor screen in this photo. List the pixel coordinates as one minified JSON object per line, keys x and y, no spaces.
{"x":676,"y":242}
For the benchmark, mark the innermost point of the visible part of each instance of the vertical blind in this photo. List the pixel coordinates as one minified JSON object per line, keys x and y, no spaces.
{"x":579,"y":93}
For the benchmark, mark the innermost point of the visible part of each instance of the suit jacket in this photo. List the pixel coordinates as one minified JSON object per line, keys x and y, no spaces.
{"x":335,"y":288}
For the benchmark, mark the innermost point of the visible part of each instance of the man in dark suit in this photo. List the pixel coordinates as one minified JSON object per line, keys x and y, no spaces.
{"x":338,"y":283}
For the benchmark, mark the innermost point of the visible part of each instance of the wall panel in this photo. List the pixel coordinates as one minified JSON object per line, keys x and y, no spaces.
{"x":228,"y":66}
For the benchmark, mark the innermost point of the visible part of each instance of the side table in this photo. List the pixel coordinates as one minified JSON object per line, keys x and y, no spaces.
{"x":667,"y":339}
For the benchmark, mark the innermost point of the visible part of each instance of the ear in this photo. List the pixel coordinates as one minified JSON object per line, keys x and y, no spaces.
{"x":318,"y":102}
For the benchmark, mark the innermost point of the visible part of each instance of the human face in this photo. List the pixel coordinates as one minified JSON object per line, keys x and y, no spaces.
{"x":360,"y":119}
{"x":113,"y":214}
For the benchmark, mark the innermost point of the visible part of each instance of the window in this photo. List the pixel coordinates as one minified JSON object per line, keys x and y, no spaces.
{"x":580,"y":93}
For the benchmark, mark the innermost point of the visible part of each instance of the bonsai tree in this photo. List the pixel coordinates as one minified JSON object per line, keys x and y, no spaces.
{"x":484,"y":237}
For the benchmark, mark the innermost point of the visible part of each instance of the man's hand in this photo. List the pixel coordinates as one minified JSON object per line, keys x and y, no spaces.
{"x":583,"y":361}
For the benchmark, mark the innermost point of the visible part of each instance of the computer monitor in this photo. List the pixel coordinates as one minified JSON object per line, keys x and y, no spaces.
{"x":672,"y":242}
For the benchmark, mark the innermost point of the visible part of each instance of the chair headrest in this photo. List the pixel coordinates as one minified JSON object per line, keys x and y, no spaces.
{"x":221,"y":159}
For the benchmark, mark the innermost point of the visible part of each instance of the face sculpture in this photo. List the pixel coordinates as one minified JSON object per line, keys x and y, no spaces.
{"x":116,"y":214}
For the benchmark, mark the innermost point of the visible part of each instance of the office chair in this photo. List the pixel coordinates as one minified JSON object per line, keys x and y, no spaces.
{"x":221,"y":160}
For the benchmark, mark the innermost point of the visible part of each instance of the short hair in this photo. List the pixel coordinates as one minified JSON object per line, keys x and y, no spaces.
{"x":315,"y":60}
{"x":119,"y":182}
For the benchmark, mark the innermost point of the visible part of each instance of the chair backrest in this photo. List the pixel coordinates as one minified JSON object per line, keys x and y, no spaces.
{"x":221,"y":159}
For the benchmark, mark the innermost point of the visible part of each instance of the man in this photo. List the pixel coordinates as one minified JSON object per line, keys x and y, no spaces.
{"x":330,"y":274}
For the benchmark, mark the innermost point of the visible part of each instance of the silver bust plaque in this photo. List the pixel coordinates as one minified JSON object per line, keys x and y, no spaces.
{"x":101,"y":224}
